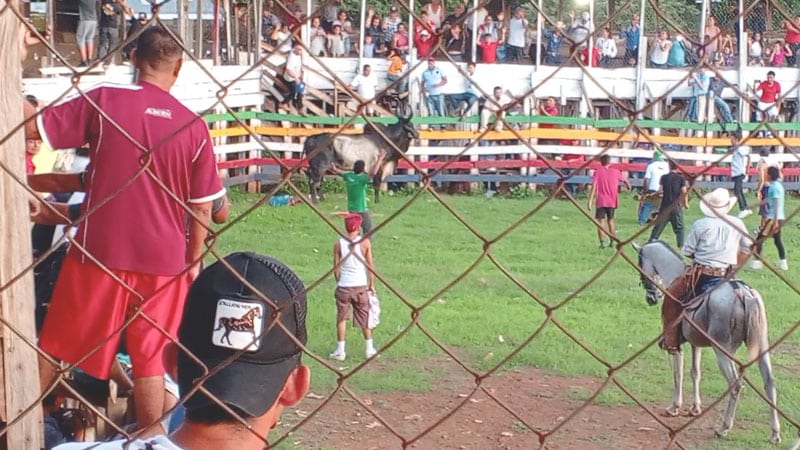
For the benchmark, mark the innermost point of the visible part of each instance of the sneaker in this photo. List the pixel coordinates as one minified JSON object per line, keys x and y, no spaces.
{"x":756,"y":265}
{"x":744,"y":213}
{"x":783,"y":265}
{"x":336,"y":356}
{"x":371,"y":352}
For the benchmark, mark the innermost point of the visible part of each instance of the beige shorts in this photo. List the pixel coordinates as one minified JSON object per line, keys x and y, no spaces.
{"x":358,"y":298}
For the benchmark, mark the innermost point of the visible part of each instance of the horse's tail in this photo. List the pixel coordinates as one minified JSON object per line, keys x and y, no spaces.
{"x":220,"y":324}
{"x":756,"y":337}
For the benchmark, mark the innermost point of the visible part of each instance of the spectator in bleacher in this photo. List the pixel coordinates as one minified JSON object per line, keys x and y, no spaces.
{"x":366,"y":84}
{"x":677,"y":52}
{"x":433,"y":80}
{"x":269,"y":22}
{"x":650,"y":186}
{"x":285,"y":40}
{"x":548,"y":107}
{"x":401,"y":41}
{"x":424,"y":44}
{"x":595,"y":56}
{"x":580,"y":29}
{"x":375,"y":30}
{"x":293,"y":74}
{"x":457,"y":16}
{"x":112,"y":11}
{"x":769,"y":98}
{"x":501,"y":25}
{"x":456,"y":43}
{"x":347,"y":31}
{"x":659,"y":54}
{"x":755,"y":50}
{"x":713,"y":33}
{"x":488,"y":49}
{"x":779,"y":53}
{"x":436,"y":13}
{"x":554,"y":38}
{"x":391,"y":22}
{"x":792,"y":39}
{"x":674,"y":200}
{"x":699,"y":81}
{"x":395,"y":71}
{"x":631,"y":35}
{"x":87,"y":28}
{"x":369,"y":47}
{"x":608,"y":48}
{"x":470,"y":95}
{"x":716,"y":86}
{"x":535,"y":43}
{"x":336,"y":42}
{"x":605,"y":188}
{"x":726,"y":56}
{"x":515,"y":45}
{"x":477,"y":19}
{"x":295,"y":16}
{"x":319,"y":39}
{"x":495,"y":105}
{"x":274,"y":38}
{"x":488,"y":26}
{"x":330,"y":12}
{"x":423,"y":24}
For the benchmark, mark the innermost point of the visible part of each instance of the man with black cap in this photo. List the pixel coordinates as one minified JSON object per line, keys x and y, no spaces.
{"x":244,"y":324}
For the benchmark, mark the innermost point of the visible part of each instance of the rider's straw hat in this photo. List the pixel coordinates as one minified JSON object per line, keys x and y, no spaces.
{"x":717,"y":203}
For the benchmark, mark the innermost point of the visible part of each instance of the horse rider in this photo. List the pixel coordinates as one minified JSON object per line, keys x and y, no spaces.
{"x":717,"y":244}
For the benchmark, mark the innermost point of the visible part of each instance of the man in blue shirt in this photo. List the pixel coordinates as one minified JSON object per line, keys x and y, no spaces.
{"x":631,"y":35}
{"x":432,"y":82}
{"x":772,"y":223}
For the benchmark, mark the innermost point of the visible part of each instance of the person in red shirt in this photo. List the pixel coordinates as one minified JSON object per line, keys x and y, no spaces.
{"x":769,"y":98}
{"x":792,"y":39}
{"x":595,"y":56}
{"x":424,"y":43}
{"x":605,"y":188}
{"x":488,"y":48}
{"x":152,"y":161}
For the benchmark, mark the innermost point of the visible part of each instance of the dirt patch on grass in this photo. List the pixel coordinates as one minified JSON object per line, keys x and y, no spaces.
{"x":544,"y":401}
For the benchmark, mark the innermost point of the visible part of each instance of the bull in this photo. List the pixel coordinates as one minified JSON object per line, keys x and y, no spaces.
{"x":326,"y":149}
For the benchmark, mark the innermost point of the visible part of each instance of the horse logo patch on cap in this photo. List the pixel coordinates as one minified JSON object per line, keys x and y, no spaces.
{"x":238,"y":324}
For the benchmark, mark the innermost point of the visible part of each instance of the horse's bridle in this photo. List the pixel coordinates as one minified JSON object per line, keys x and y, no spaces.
{"x":653,"y":293}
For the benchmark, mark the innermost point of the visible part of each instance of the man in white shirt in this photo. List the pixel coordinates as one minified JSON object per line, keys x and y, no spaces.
{"x":365,"y":85}
{"x":495,"y":105}
{"x":740,"y":162}
{"x":293,"y":73}
{"x":433,"y":80}
{"x":650,"y":186}
{"x":515,"y":44}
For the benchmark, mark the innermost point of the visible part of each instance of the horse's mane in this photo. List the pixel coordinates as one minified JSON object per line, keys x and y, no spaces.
{"x":669,"y":247}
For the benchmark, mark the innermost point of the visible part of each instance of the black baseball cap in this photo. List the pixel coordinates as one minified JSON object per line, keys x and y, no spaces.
{"x":233,"y":331}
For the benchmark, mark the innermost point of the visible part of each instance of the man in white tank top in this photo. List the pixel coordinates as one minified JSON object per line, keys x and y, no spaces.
{"x":352,"y":256}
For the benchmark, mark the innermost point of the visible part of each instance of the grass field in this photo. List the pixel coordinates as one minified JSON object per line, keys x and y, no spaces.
{"x":423,"y":254}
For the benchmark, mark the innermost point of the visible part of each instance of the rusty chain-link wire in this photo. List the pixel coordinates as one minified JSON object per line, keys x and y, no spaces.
{"x":653,"y":18}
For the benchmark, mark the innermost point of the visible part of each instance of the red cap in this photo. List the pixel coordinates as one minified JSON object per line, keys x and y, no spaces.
{"x":352,"y":222}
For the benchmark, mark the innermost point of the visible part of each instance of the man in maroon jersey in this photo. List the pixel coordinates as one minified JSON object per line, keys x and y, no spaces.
{"x":151,"y":161}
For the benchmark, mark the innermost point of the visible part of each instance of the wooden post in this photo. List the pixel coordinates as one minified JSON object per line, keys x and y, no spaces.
{"x":19,"y":373}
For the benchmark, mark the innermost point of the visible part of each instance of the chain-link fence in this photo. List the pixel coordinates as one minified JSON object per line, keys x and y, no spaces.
{"x":546,"y":103}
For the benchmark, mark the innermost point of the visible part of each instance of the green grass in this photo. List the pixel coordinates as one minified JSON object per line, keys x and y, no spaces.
{"x":553,"y":253}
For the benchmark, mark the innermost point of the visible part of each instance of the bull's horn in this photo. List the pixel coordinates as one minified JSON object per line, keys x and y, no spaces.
{"x":636,"y":246}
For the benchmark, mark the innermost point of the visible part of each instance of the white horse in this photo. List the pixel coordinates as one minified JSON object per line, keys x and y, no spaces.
{"x":730,"y":314}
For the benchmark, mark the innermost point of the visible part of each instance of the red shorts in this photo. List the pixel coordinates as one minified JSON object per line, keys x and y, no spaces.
{"x":90,"y":309}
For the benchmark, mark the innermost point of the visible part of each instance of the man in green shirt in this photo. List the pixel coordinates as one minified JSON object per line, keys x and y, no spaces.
{"x":356,"y":183}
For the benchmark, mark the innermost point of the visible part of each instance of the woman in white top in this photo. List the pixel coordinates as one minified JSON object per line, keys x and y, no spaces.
{"x":755,"y":50}
{"x":352,"y":260}
{"x":607,"y":46}
{"x":660,"y":53}
{"x":435,"y":12}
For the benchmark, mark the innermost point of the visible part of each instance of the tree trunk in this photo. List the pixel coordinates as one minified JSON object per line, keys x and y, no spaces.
{"x":19,"y":372}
